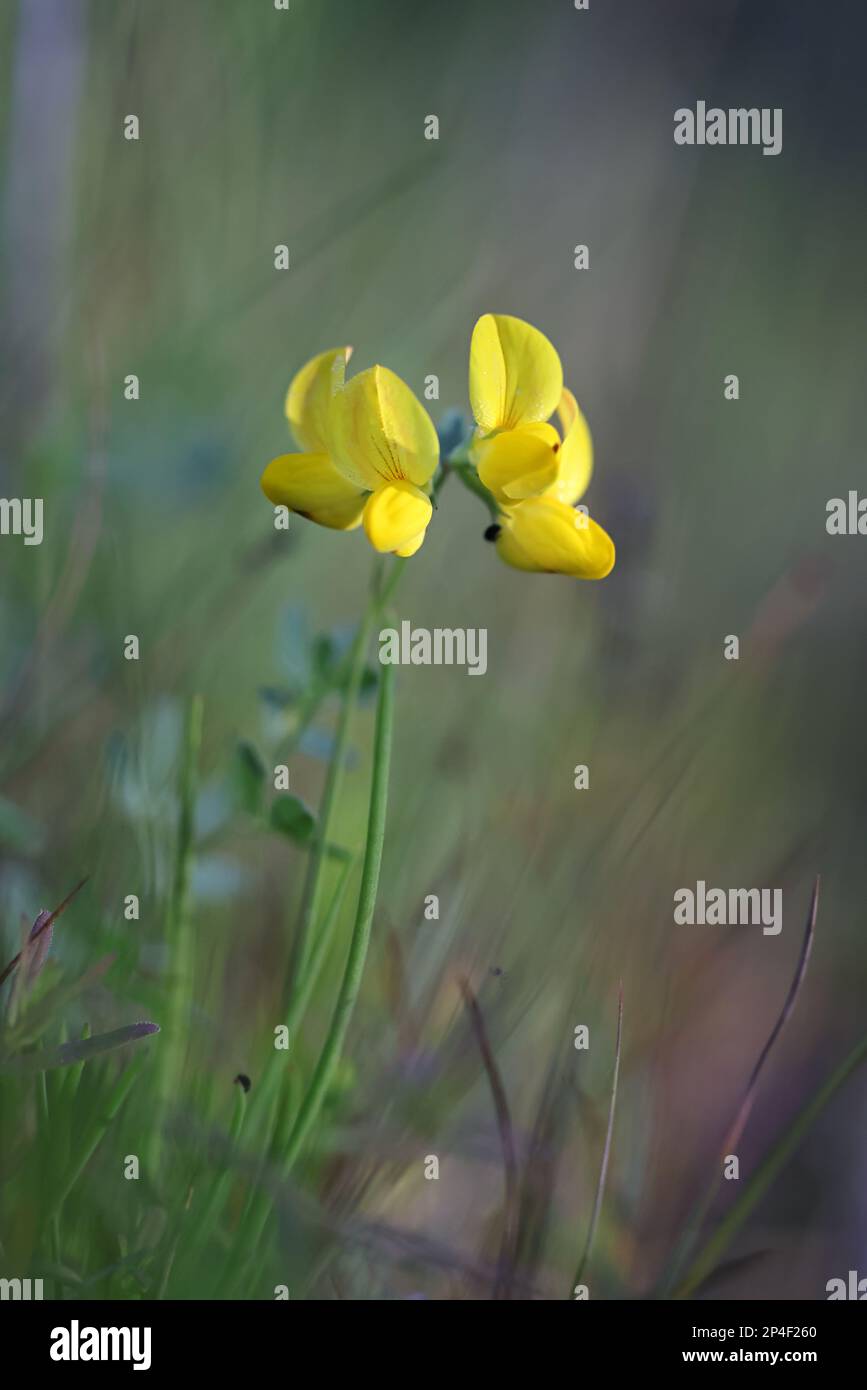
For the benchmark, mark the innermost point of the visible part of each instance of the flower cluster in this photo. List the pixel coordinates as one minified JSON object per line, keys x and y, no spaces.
{"x":371,"y":454}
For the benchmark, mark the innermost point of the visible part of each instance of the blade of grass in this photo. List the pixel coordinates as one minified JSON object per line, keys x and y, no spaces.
{"x":360,"y":940}
{"x":736,"y":1128}
{"x":539,"y":1174}
{"x":205,"y":1219}
{"x":746,"y":1105}
{"x":505,"y":1264}
{"x":606,"y":1153}
{"x":41,"y":1015}
{"x":304,"y":973}
{"x":324,"y":938}
{"x":46,"y":926}
{"x":94,"y":1133}
{"x":313,"y":879}
{"x":301,"y":996}
{"x":80,"y":1052}
{"x":179,"y":931}
{"x":768,"y":1171}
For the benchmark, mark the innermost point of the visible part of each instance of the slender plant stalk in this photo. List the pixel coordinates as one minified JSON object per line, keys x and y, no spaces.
{"x":360,"y":940}
{"x":310,"y":955}
{"x":76,"y":1071}
{"x":46,"y":925}
{"x":333,"y":782}
{"x":94,"y":1134}
{"x":388,"y":588}
{"x":380,"y":596}
{"x":258,"y":1205}
{"x":221,"y":1186}
{"x":301,"y":995}
{"x":506,"y":1261}
{"x":42,"y":1102}
{"x":606,"y":1154}
{"x":178,"y":925}
{"x":324,"y":937}
{"x":300,"y":983}
{"x":770,"y":1169}
{"x":738,"y":1124}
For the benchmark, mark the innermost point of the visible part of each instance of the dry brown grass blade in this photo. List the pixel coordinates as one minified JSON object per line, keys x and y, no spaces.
{"x":739,"y":1123}
{"x":505,"y":1264}
{"x":539,"y":1170}
{"x":736,"y":1128}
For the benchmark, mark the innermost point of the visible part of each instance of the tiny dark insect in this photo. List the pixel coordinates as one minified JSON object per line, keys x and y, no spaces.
{"x":493,"y":531}
{"x":244,"y":1081}
{"x":496,"y":970}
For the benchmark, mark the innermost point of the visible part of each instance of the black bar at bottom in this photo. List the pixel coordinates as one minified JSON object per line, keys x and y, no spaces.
{"x":226,"y":1339}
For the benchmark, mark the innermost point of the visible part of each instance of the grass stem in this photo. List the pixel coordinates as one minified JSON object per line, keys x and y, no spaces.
{"x":360,"y":940}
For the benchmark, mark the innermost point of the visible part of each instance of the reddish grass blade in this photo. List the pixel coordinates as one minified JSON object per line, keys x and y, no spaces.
{"x":46,"y":925}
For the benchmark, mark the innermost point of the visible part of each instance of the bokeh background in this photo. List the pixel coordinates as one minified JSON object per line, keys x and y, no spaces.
{"x":156,"y":258}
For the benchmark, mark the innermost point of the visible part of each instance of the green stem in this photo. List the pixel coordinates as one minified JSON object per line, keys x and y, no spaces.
{"x":274,"y":1074}
{"x":307,"y":959}
{"x":394,"y":578}
{"x":473,"y":483}
{"x":349,"y":988}
{"x":767,"y":1172}
{"x":324,"y":935}
{"x":187,"y":796}
{"x":42,"y":1101}
{"x":380,"y":595}
{"x":93,"y":1135}
{"x":606,"y":1155}
{"x":221,"y":1186}
{"x":313,"y":881}
{"x":178,"y":925}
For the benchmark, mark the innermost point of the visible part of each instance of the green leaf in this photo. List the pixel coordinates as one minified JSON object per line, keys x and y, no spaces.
{"x":367,"y":686}
{"x":291,"y":817}
{"x":325,"y":657}
{"x":332,"y":668}
{"x":80,"y":1051}
{"x":369,"y":682}
{"x":49,"y":1008}
{"x":248,"y":778}
{"x":343,"y":856}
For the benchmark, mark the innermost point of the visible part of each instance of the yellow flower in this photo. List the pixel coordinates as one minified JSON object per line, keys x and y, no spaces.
{"x":535,"y":474}
{"x":548,"y":536}
{"x":309,"y":483}
{"x":371,"y":451}
{"x":385,"y":443}
{"x":515,"y":374}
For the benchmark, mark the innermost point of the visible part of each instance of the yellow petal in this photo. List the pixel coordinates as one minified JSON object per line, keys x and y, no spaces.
{"x":411,"y":546}
{"x":519,"y":463}
{"x":549,"y":537}
{"x":396,"y":517}
{"x":310,"y":398}
{"x":515,"y":373}
{"x":382,"y":434}
{"x":310,"y":485}
{"x":575,"y":463}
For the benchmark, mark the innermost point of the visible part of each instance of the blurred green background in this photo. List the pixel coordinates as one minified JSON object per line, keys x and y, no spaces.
{"x":156,"y":257}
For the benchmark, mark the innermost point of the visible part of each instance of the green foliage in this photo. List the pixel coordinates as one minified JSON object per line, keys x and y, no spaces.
{"x":291,"y":817}
{"x":82,"y":1051}
{"x":248,"y":778}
